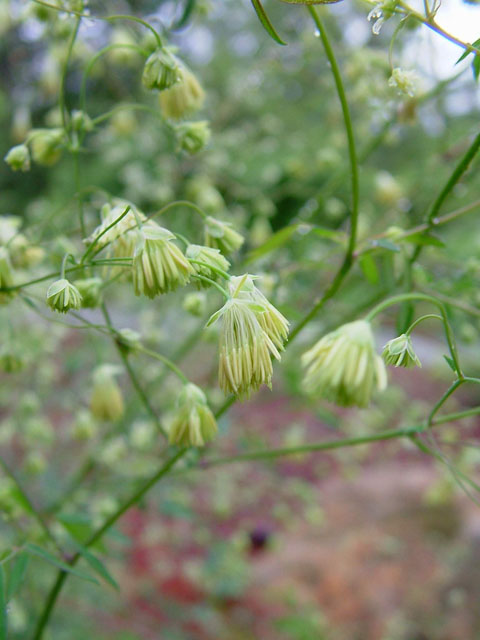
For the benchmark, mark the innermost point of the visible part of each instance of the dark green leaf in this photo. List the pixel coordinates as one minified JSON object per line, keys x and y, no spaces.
{"x":78,"y":525}
{"x":369,"y":268}
{"x":18,"y":569}
{"x":425,"y":239}
{"x":467,"y":53}
{"x":264,"y":19}
{"x":98,"y":566}
{"x":187,"y":12}
{"x":46,"y":555}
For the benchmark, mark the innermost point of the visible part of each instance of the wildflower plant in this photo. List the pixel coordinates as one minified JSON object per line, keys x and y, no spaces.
{"x":114,"y":218}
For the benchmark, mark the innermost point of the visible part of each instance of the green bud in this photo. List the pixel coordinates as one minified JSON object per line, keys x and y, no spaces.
{"x":194,"y":423}
{"x":183,"y":98}
{"x":106,"y":402}
{"x":161,"y":70}
{"x":91,"y":291}
{"x":46,"y":145}
{"x":6,"y":276}
{"x":18,"y":158}
{"x":210,"y":258}
{"x":128,"y":339}
{"x":11,"y":360}
{"x":192,"y":137}
{"x":399,"y":352}
{"x":220,"y":235}
{"x":62,"y":296}
{"x":195,"y":304}
{"x":84,"y":427}
{"x":81,"y":121}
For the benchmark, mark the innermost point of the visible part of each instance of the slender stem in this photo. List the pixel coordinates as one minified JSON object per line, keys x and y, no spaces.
{"x":96,"y":535}
{"x":100,"y":235}
{"x":123,"y":107}
{"x":168,"y":363}
{"x":210,"y":267}
{"x":348,"y":258}
{"x":223,"y":291}
{"x":76,"y":170}
{"x":63,"y":78}
{"x":428,"y":316}
{"x":132,"y":375}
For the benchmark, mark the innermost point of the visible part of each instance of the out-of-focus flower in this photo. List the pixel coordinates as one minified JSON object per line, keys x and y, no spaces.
{"x":18,"y":158}
{"x":405,"y":82}
{"x":193,"y":424}
{"x":220,"y":235}
{"x":192,"y":137}
{"x":158,"y":264}
{"x":399,"y":352}
{"x":6,"y":276}
{"x":62,"y":296}
{"x":211,"y":258}
{"x":46,"y":145}
{"x":184,"y":98}
{"x":343,"y":366}
{"x":195,"y":304}
{"x":91,"y":291}
{"x":106,"y":402}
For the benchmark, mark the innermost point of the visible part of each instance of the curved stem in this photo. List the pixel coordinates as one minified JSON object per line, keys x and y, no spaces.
{"x":348,"y":258}
{"x":110,"y":226}
{"x":223,"y":291}
{"x":428,"y":316}
{"x":168,"y":363}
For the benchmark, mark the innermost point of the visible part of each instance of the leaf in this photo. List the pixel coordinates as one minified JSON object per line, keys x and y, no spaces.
{"x":369,"y":268}
{"x":184,"y":18}
{"x":17,"y":574}
{"x":78,"y":525}
{"x":46,"y":555}
{"x":267,"y":25}
{"x":467,"y":53}
{"x":386,"y":244}
{"x":476,"y":59}
{"x":98,"y":566}
{"x":425,"y":239}
{"x":3,"y":606}
{"x":450,"y":363}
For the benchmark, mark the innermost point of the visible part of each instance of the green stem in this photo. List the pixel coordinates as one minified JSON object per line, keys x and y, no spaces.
{"x":100,"y":235}
{"x":96,"y":535}
{"x":63,"y":78}
{"x":168,"y":363}
{"x":428,"y":316}
{"x":123,"y":107}
{"x":223,"y":274}
{"x":348,"y":258}
{"x":223,"y":291}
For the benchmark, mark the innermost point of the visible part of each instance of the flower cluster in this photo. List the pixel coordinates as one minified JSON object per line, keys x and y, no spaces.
{"x":193,"y":424}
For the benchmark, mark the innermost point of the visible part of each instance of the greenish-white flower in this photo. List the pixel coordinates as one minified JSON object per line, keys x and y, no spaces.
{"x":162,"y":70}
{"x":62,"y":296}
{"x":275,"y":325}
{"x":220,"y":235}
{"x":46,"y":145}
{"x":192,"y":137}
{"x":245,"y":348}
{"x":343,"y":366}
{"x":158,"y":264}
{"x":106,"y":401}
{"x":194,"y":423}
{"x":18,"y":158}
{"x":399,"y":352}
{"x":184,"y":98}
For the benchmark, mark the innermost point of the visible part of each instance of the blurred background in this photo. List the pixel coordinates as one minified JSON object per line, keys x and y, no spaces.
{"x":377,"y":542}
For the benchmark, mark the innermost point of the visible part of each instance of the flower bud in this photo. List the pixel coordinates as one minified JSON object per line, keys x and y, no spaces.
{"x":209,"y":257}
{"x":18,"y":158}
{"x":195,"y":304}
{"x":343,"y":366}
{"x":81,"y":122}
{"x":161,"y":70}
{"x":46,"y":145}
{"x":399,"y":352}
{"x":194,"y":424}
{"x":128,"y":340}
{"x":6,"y":276}
{"x":91,"y":291}
{"x":220,"y":235}
{"x":106,"y":402}
{"x":62,"y":296}
{"x":11,"y":359}
{"x":84,"y":427}
{"x":23,"y":254}
{"x":184,"y":98}
{"x":405,"y":82}
{"x":158,"y":264}
{"x":192,"y":137}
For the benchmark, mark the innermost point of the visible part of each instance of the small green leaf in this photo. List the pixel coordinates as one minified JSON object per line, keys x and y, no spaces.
{"x":78,"y":525}
{"x":450,"y":363}
{"x":425,"y":239}
{"x":46,"y":555}
{"x":17,"y":574}
{"x":98,"y":566}
{"x":264,"y":19}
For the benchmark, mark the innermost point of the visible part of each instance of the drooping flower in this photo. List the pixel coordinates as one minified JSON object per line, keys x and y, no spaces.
{"x":109,"y":231}
{"x":210,"y":257}
{"x":275,"y":325}
{"x":193,"y":136}
{"x":194,"y":423}
{"x":18,"y":158}
{"x":399,"y":352}
{"x":184,"y":98}
{"x":62,"y":296}
{"x":343,"y":366}
{"x":158,"y":264}
{"x":220,"y":235}
{"x":106,"y":401}
{"x":161,"y":70}
{"x":245,"y":348}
